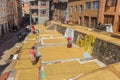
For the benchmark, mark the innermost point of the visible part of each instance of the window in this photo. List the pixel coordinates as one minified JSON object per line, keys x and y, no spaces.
{"x":95,"y":5}
{"x":43,"y":3}
{"x":70,"y":18}
{"x":80,"y":8}
{"x":108,"y":19}
{"x":111,"y":2}
{"x":71,"y":9}
{"x":80,"y":21}
{"x":31,"y":3}
{"x":87,"y":5}
{"x":86,"y":21}
{"x":93,"y":22}
{"x":43,"y":12}
{"x":119,"y":25}
{"x":75,"y":9}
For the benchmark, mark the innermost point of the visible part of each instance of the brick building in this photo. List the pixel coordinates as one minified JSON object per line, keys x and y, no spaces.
{"x":3,"y":18}
{"x":89,"y":13}
{"x":84,"y":12}
{"x":14,"y":13}
{"x":60,"y":9}
{"x":10,"y":14}
{"x":109,"y":13}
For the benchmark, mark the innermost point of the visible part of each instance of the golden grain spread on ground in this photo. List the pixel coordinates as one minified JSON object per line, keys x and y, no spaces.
{"x":27,"y":45}
{"x":100,"y":75}
{"x":60,"y":53}
{"x":31,"y":37}
{"x":68,"y":70}
{"x":49,"y":32}
{"x":49,"y":36}
{"x":44,"y":36}
{"x":24,"y":54}
{"x":26,"y":64}
{"x":60,"y":71}
{"x":50,"y":41}
{"x":27,"y":74}
{"x":31,"y":41}
{"x":117,"y":67}
{"x":40,"y":27}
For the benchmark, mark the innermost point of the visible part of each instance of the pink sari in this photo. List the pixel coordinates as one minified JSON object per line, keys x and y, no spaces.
{"x":32,"y":55}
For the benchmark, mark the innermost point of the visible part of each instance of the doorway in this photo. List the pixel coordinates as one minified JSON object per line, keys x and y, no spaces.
{"x":119,"y":25}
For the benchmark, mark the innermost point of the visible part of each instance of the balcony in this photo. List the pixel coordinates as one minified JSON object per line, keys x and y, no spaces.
{"x":57,"y":1}
{"x":34,"y":7}
{"x":34,"y":15}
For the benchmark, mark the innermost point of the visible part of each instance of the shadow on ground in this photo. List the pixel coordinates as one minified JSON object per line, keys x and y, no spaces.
{"x":2,"y":67}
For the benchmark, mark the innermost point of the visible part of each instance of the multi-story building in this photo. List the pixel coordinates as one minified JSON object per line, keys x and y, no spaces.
{"x":14,"y":13}
{"x":60,"y":9}
{"x":3,"y":18}
{"x":39,"y":10}
{"x":109,"y":13}
{"x":84,"y":12}
{"x":43,"y":11}
{"x":89,"y":13}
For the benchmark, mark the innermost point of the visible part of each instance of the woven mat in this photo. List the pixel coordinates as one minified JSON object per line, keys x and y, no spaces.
{"x":49,"y":32}
{"x":31,"y":41}
{"x":49,"y":36}
{"x":50,"y":41}
{"x":27,"y":45}
{"x":63,"y":71}
{"x":24,"y":54}
{"x":40,"y":27}
{"x":60,"y":53}
{"x":100,"y":75}
{"x":116,"y":67}
{"x":27,"y":74}
{"x":26,"y":64}
{"x":32,"y":36}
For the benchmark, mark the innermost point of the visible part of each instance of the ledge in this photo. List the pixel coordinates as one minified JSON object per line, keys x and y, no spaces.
{"x":100,"y":35}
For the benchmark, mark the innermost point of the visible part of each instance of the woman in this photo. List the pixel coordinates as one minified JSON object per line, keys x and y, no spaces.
{"x":32,"y":55}
{"x":33,"y":29}
{"x":69,"y":44}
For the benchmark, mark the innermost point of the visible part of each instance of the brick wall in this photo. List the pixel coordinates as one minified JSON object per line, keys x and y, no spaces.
{"x":76,"y":15}
{"x":109,"y":10}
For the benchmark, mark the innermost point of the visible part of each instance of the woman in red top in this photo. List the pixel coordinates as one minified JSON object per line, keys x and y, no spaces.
{"x":33,"y":29}
{"x":32,"y":55}
{"x":69,"y":44}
